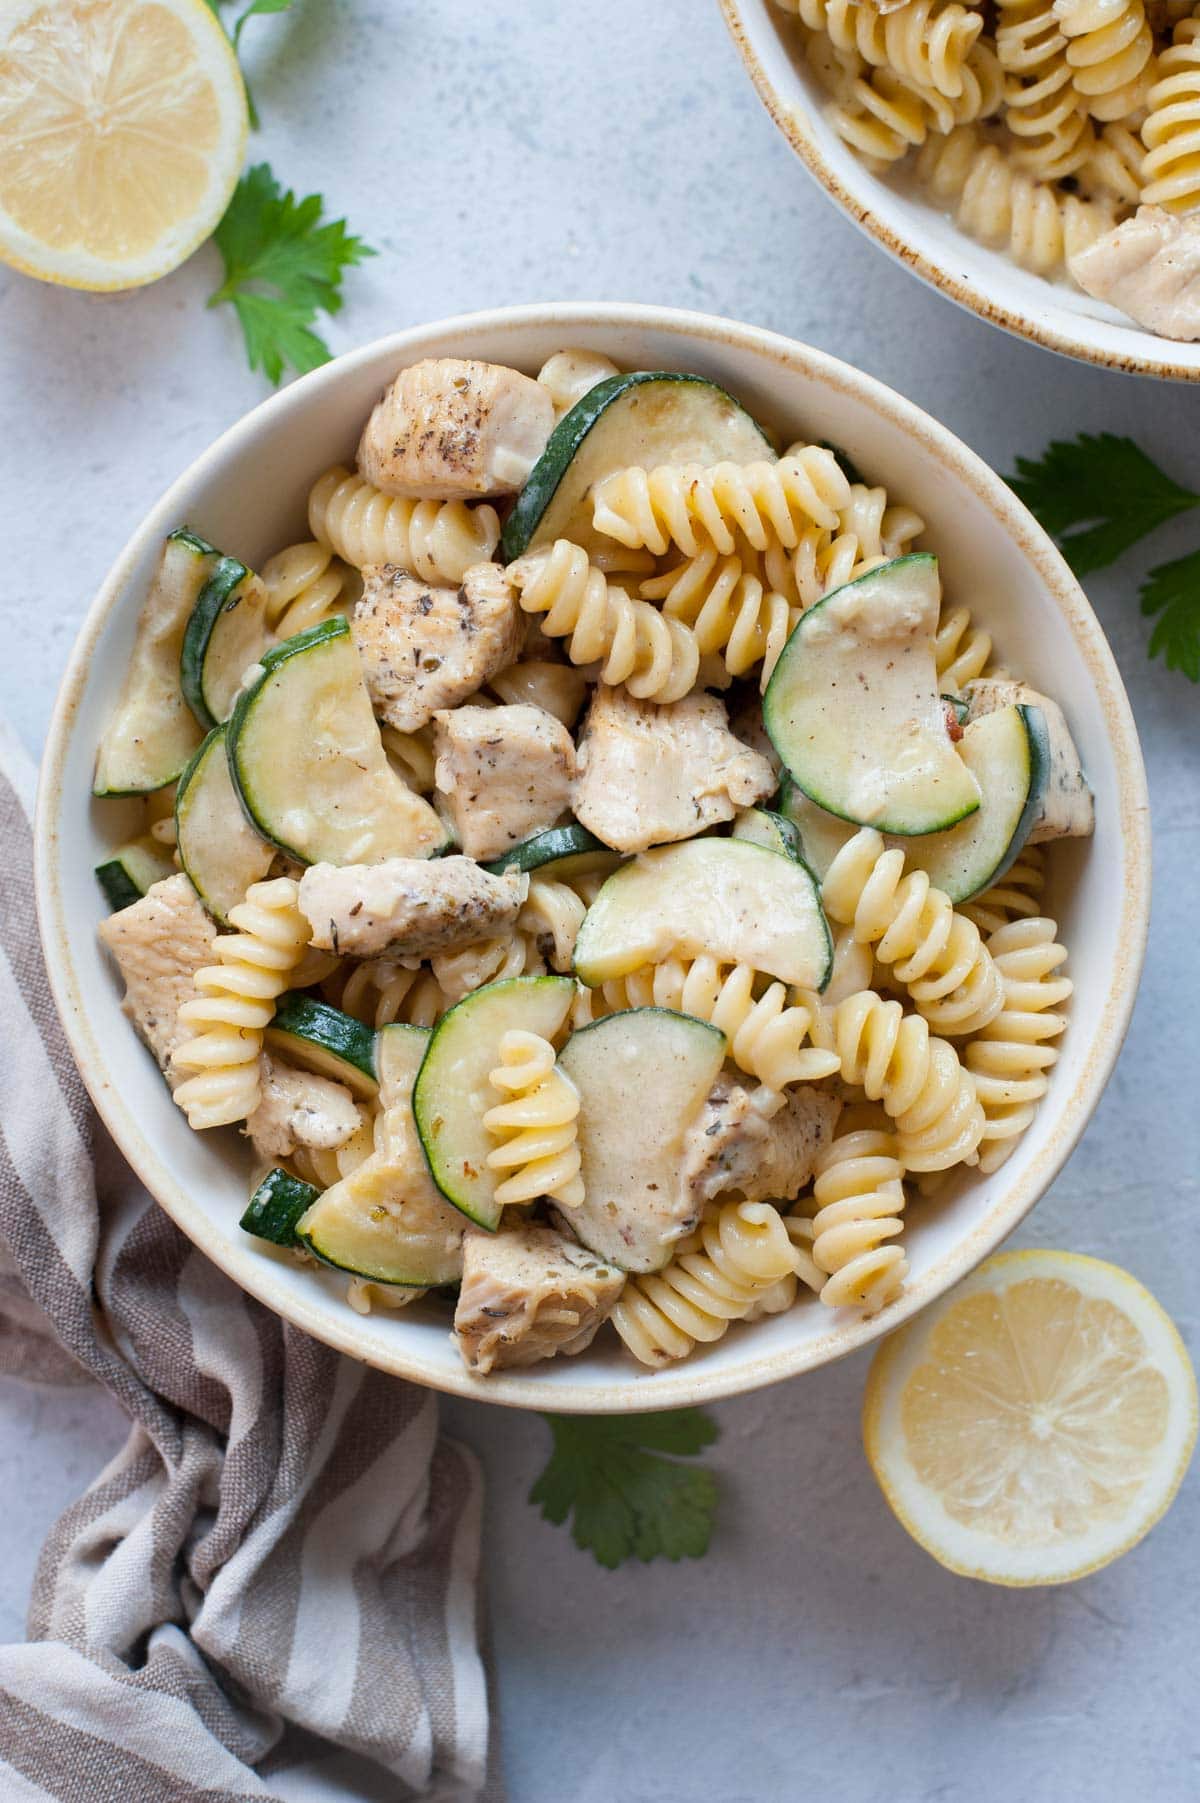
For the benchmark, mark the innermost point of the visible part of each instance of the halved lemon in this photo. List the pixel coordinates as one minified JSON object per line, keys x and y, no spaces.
{"x":122,"y":133}
{"x":1036,"y":1423}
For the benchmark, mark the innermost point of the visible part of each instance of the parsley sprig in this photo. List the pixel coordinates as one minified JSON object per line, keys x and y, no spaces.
{"x":628,"y":1502}
{"x":255,"y":8}
{"x":1098,"y":494}
{"x":283,"y":266}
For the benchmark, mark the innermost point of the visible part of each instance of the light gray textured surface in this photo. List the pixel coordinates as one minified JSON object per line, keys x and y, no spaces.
{"x":557,"y":150}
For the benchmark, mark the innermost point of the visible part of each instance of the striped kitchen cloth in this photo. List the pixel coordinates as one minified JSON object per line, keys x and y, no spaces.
{"x":271,"y":1592}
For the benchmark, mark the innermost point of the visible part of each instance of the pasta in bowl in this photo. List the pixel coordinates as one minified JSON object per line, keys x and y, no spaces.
{"x":545,"y":1018}
{"x":1030,"y":161}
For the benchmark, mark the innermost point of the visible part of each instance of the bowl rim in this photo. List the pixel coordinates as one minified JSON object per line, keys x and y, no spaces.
{"x":904,"y":248}
{"x":686,"y":1384}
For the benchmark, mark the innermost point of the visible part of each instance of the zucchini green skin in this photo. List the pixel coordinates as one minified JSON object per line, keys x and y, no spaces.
{"x":543,"y":480}
{"x":320,"y":1037}
{"x":242,"y":855}
{"x":120,"y":890}
{"x":152,"y":732}
{"x":337,"y":627}
{"x":776,"y":697}
{"x":459,"y":1040}
{"x":129,"y":873}
{"x":276,"y":1205}
{"x":227,"y":576}
{"x":1040,"y":765}
{"x":771,"y":830}
{"x":555,"y":843}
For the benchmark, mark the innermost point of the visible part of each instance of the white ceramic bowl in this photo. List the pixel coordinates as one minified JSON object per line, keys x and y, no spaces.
{"x":247,"y":495}
{"x":1054,"y":314}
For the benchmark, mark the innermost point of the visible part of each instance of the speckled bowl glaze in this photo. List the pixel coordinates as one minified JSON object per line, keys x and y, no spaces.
{"x":1054,"y":314}
{"x":247,"y":495}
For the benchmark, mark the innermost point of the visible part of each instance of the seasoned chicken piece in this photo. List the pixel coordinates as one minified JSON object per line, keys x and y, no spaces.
{"x":1066,"y":810}
{"x":298,"y":1108}
{"x":651,"y":774}
{"x":408,"y":906}
{"x":502,"y":774}
{"x":450,"y":428}
{"x":159,"y":943}
{"x":528,"y":1294}
{"x":743,"y":1141}
{"x":427,"y":648}
{"x":1149,"y":267}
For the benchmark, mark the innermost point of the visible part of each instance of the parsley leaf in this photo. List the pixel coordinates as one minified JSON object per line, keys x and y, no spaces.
{"x":282,"y":267}
{"x":1172,"y":591}
{"x":629,"y":1503}
{"x":1098,"y":494}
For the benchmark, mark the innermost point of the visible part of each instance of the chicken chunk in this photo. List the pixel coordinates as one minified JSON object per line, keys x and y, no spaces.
{"x":1066,"y":810}
{"x":450,"y":428}
{"x":298,"y":1108}
{"x":1149,"y":267}
{"x":527,"y":1295}
{"x":502,"y":774}
{"x":408,"y":906}
{"x":651,"y":774}
{"x":743,"y":1141}
{"x":426,"y":648}
{"x":159,"y":943}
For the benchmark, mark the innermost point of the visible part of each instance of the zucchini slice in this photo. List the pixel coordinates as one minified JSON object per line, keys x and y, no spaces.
{"x":276,"y":1205}
{"x":1008,"y":753}
{"x":226,"y":633}
{"x":308,"y":762}
{"x":320,"y":1038}
{"x":642,"y":1078}
{"x":646,"y":418}
{"x":152,"y":733}
{"x":218,"y":847}
{"x":132,"y":869}
{"x":774,"y":832}
{"x":853,"y":708}
{"x":387,"y":1220}
{"x":452,"y":1092}
{"x":561,"y":851}
{"x":739,"y":902}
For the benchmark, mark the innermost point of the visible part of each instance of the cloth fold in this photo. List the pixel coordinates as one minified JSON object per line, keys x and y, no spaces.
{"x":271,"y":1592}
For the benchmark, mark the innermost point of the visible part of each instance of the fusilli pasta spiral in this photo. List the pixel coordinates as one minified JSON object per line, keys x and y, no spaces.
{"x":1109,"y":46}
{"x":1171,"y":132}
{"x":1010,"y":1058}
{"x":937,"y":952}
{"x":919,"y":1080}
{"x":559,"y":689}
{"x":1043,"y":108}
{"x":767,"y":1038}
{"x":657,"y":658}
{"x":999,"y":204}
{"x":568,"y":375}
{"x":435,"y":540}
{"x":379,"y":991}
{"x":411,"y":755}
{"x":859,"y":1201}
{"x":234,"y":1001}
{"x":323,"y":1166}
{"x":690,"y":507}
{"x":726,"y":605}
{"x":718,"y":1274}
{"x":535,"y":1126}
{"x":925,"y":41}
{"x":960,"y":650}
{"x":551,"y":917}
{"x":305,"y":584}
{"x":461,"y":972}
